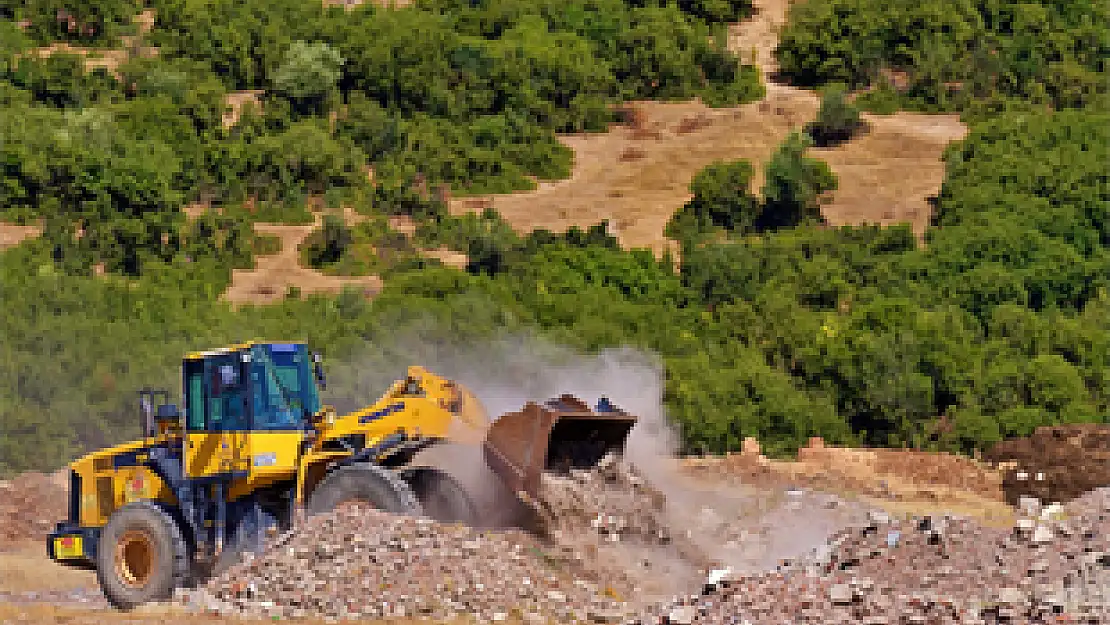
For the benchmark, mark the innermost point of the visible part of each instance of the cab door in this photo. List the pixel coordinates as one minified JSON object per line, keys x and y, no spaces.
{"x":217,"y":417}
{"x":276,"y":414}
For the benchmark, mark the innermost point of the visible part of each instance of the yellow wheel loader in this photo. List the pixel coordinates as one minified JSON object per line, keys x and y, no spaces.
{"x":254,"y":451}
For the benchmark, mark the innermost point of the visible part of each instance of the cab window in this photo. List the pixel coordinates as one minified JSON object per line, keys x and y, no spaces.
{"x":227,"y":396}
{"x":194,"y":399}
{"x":275,"y":407}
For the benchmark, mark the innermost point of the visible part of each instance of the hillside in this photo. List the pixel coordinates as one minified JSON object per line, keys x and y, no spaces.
{"x":784,"y":319}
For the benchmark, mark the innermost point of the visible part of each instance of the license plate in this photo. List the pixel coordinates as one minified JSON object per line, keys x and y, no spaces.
{"x":68,"y":547}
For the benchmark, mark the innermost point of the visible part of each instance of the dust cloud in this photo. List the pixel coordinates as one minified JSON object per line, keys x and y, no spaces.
{"x":734,"y":526}
{"x":506,"y":372}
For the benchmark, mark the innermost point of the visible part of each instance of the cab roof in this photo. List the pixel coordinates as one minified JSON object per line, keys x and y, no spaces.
{"x":236,"y":347}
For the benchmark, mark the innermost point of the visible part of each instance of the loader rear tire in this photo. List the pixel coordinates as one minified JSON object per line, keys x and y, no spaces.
{"x":364,"y":483}
{"x":141,"y":556}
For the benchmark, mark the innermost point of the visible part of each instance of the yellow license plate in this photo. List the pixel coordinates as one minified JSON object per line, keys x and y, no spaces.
{"x":68,"y":547}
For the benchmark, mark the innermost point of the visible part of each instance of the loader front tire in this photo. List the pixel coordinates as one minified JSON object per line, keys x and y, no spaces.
{"x":364,"y":483}
{"x":141,"y":556}
{"x":442,"y":497}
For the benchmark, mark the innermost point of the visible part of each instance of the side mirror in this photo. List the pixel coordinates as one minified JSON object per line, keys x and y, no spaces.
{"x":318,"y":368}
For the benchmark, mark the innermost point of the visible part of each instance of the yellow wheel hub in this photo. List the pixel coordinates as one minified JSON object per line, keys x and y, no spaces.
{"x":135,"y":558}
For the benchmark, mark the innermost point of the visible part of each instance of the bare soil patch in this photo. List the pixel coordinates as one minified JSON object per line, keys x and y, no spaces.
{"x":638,"y":175}
{"x":274,"y":275}
{"x":106,"y":58}
{"x":25,"y":568}
{"x":30,"y":504}
{"x":234,"y":103}
{"x":14,"y":234}
{"x":905,"y":482}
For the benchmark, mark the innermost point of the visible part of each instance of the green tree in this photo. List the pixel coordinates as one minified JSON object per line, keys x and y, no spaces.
{"x":794,"y":185}
{"x":722,"y":199}
{"x":838,"y":120}
{"x":329,"y":244}
{"x":308,"y":75}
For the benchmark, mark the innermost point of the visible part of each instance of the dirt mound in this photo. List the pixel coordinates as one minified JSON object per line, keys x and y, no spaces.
{"x":1056,"y":463}
{"x":1055,"y":568}
{"x":358,"y":562}
{"x":576,"y":568}
{"x":30,"y":505}
{"x":908,"y":479}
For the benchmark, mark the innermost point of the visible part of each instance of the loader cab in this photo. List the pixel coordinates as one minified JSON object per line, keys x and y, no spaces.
{"x":247,"y":408}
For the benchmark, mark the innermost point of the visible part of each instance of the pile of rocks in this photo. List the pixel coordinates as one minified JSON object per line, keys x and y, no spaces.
{"x":361,"y":563}
{"x":612,"y":501}
{"x":1053,"y":566}
{"x":606,"y":540}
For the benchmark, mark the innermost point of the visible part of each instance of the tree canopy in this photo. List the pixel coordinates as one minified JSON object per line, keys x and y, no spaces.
{"x":773,"y":325}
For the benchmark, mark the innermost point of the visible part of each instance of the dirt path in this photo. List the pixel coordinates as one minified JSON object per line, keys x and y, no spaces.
{"x":638,"y":177}
{"x":273,"y":275}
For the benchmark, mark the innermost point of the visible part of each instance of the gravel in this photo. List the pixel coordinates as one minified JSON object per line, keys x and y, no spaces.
{"x":1051,"y":566}
{"x":361,"y":563}
{"x":1048,"y":569}
{"x":357,"y":562}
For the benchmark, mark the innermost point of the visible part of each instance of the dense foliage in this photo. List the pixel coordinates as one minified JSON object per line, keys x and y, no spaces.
{"x":722,"y":200}
{"x":954,"y":54}
{"x":775,"y":326}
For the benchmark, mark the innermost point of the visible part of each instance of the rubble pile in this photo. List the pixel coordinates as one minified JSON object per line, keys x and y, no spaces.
{"x":605,"y":542}
{"x":357,"y":562}
{"x":612,"y":501}
{"x":30,"y":505}
{"x":1052,"y":566}
{"x":610,"y":520}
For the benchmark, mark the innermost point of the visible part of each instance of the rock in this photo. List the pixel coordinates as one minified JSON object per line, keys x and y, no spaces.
{"x":1025,"y":527}
{"x":682,"y":615}
{"x":1052,"y":512}
{"x":841,"y":594}
{"x":1029,"y":506}
{"x":1041,"y":535}
{"x":878,"y":517}
{"x":1010,"y":596}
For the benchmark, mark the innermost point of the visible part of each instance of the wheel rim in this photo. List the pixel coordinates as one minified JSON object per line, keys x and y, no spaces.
{"x":135,"y":558}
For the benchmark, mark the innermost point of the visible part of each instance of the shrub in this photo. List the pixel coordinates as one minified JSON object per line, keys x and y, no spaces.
{"x":837,"y":121}
{"x":795,"y":182}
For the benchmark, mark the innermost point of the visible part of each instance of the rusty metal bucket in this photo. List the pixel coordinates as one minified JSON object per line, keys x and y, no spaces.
{"x":560,"y":434}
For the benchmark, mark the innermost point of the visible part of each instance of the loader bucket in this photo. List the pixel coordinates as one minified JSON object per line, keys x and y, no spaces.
{"x":560,"y":434}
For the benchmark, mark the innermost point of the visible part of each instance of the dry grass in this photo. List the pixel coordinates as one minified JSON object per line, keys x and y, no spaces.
{"x":449,"y":258}
{"x":638,"y":176}
{"x":273,"y":275}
